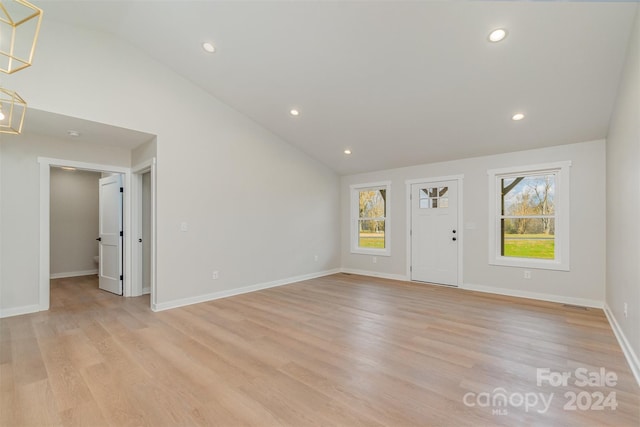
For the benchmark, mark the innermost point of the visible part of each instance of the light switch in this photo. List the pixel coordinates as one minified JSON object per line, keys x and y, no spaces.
{"x":184,"y":226}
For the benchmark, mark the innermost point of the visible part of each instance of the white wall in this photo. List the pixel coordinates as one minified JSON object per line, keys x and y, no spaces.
{"x":19,"y":208}
{"x":584,"y":284}
{"x":623,"y":201}
{"x":144,"y":152}
{"x":258,"y":210}
{"x":73,"y":211}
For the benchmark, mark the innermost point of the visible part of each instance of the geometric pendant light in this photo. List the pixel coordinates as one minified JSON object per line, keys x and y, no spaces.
{"x":12,"y":110}
{"x":19,"y":28}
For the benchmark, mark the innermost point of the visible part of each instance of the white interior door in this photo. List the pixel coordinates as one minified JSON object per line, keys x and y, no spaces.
{"x":110,"y":239}
{"x":434,"y":232}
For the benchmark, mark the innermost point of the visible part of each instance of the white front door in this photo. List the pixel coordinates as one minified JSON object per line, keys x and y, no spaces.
{"x":434,"y":232}
{"x":110,"y":239}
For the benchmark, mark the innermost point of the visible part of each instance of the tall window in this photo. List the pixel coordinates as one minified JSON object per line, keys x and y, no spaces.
{"x":370,"y":219}
{"x":529,"y":216}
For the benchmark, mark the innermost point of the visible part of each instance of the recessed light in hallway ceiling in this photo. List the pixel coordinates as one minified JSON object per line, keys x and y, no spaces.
{"x":497,"y":35}
{"x":208,"y":47}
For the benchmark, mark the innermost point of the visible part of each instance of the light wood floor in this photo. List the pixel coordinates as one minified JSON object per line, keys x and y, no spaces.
{"x":341,"y":350}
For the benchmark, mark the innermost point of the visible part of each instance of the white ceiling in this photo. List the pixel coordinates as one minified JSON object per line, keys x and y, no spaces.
{"x":399,"y":83}
{"x":57,"y":125}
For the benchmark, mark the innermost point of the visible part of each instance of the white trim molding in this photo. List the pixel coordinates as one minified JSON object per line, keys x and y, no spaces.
{"x":74,"y":274}
{"x":354,"y":190}
{"x":137,"y":171}
{"x":583,"y":302}
{"x":17,"y":311}
{"x":400,"y":277}
{"x":629,"y":354}
{"x":238,"y":291}
{"x":45,"y":193}
{"x":562,"y":212}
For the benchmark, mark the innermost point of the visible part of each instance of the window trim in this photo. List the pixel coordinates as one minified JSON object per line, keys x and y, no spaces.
{"x":562,"y":214}
{"x":354,"y":201}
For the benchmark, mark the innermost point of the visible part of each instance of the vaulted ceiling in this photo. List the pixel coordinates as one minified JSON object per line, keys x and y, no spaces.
{"x":397,"y":83}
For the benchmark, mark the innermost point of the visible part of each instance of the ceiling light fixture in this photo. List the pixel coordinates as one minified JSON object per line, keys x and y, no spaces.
{"x":19,"y":28}
{"x":517,"y":116}
{"x":67,"y":168}
{"x":497,"y":35}
{"x":347,"y":151}
{"x":294,"y":112}
{"x":208,"y":47}
{"x":73,"y":133}
{"x":12,"y":110}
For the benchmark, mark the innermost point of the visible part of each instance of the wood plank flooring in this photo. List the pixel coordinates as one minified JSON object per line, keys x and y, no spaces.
{"x":342,"y":350}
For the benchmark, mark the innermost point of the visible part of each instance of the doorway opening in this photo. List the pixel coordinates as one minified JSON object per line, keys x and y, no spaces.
{"x":131,"y":281}
{"x":86,"y":228}
{"x":74,"y":205}
{"x":143,"y":180}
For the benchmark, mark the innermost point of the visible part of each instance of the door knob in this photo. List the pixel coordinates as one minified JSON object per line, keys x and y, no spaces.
{"x":454,"y":239}
{"x":453,"y":231}
{"x":140,"y":240}
{"x":99,"y":239}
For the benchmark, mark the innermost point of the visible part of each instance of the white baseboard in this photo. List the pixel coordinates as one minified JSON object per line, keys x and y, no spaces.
{"x":238,"y":291}
{"x":146,"y":290}
{"x":17,"y":311}
{"x":401,"y":277}
{"x":73,"y":274}
{"x":534,"y":295}
{"x":629,"y":354}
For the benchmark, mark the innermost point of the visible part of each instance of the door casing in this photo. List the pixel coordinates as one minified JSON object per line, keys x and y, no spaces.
{"x":131,"y":286}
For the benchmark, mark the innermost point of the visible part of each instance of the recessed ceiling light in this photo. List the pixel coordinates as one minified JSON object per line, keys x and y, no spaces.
{"x":73,"y":133}
{"x":294,"y":112}
{"x":347,"y":151}
{"x":497,"y":35}
{"x":208,"y":47}
{"x":517,"y":116}
{"x":67,"y":168}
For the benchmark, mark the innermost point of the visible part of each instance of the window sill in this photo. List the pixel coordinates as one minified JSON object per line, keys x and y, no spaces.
{"x":376,"y":252}
{"x":538,"y":264}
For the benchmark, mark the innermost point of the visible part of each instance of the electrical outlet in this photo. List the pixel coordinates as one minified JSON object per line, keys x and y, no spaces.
{"x":184,"y":227}
{"x":374,"y":259}
{"x":315,"y":258}
{"x":215,"y":275}
{"x":527,"y":274}
{"x":626,"y":310}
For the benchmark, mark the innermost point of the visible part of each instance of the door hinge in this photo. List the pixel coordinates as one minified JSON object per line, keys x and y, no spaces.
{"x":411,"y":268}
{"x":121,"y":234}
{"x":410,"y":232}
{"x":122,"y":189}
{"x":121,"y":277}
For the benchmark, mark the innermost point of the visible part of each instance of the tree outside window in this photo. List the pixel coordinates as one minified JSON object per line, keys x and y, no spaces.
{"x":370,"y":219}
{"x":528,"y":216}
